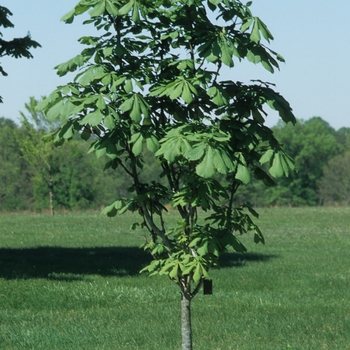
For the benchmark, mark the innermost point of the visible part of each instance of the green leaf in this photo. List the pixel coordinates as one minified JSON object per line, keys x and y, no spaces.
{"x":55,"y":111}
{"x":128,"y":86}
{"x":175,"y":91}
{"x":175,"y":271}
{"x":98,"y":9}
{"x":237,"y":245}
{"x":246,"y":25}
{"x":257,"y":116}
{"x":197,"y":273}
{"x":135,"y":13}
{"x":138,"y":145}
{"x":152,"y":144}
{"x":126,"y":8}
{"x":91,"y":74}
{"x":135,"y":113}
{"x":68,"y":17}
{"x":127,"y":105}
{"x":215,"y":2}
{"x":226,"y":51}
{"x":242,"y":173}
{"x":100,"y":103}
{"x":264,"y":30}
{"x":255,"y":34}
{"x":66,"y":131}
{"x":111,"y":8}
{"x":196,"y":152}
{"x":217,"y":96}
{"x":94,"y":118}
{"x":276,"y":169}
{"x":186,"y":93}
{"x":219,"y":163}
{"x":206,"y":167}
{"x":109,"y":122}
{"x":267,"y":156}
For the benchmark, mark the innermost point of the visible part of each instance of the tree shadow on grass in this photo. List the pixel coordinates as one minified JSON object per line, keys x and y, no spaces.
{"x":71,"y":264}
{"x":63,"y":263}
{"x":234,"y":259}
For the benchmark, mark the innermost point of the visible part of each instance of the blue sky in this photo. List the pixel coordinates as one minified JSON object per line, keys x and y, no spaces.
{"x":313,"y":37}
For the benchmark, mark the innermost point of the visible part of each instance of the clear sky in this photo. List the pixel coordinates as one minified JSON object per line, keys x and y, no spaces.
{"x":313,"y":37}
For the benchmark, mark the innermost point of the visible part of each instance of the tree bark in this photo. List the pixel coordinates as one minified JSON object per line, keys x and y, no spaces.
{"x":186,"y":327}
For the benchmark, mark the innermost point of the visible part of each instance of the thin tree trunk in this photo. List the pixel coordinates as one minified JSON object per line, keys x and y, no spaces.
{"x":52,"y":209}
{"x":186,"y":327}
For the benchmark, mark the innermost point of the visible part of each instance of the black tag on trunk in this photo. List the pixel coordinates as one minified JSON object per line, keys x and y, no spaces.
{"x":208,"y":286}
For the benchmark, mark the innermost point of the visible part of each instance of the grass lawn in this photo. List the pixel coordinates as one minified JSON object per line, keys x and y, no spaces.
{"x":72,"y":282}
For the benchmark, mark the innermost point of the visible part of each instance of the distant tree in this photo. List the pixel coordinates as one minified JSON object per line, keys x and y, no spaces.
{"x":15,"y":183}
{"x":151,"y":80}
{"x":334,"y":186}
{"x":40,"y":154}
{"x":17,"y":47}
{"x":311,"y":144}
{"x":343,"y":138}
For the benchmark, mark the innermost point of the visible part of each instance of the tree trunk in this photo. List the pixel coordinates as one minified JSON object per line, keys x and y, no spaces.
{"x":52,"y":210}
{"x":186,"y":328}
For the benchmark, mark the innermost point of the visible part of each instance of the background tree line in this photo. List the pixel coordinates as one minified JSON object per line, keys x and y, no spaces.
{"x":35,"y":175}
{"x":322,"y":159}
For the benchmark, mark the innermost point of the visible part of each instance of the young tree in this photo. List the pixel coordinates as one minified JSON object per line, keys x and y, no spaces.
{"x":17,"y":47}
{"x":38,"y":153}
{"x":151,"y":80}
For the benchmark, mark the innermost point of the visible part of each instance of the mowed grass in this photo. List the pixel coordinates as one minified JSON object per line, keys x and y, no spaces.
{"x":72,"y":282}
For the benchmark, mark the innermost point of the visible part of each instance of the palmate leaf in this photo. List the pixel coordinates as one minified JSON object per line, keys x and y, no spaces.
{"x":94,"y":118}
{"x":255,"y":34}
{"x":70,"y":66}
{"x":173,"y":147}
{"x":179,"y":88}
{"x":91,"y":74}
{"x":264,"y":30}
{"x":226,"y":50}
{"x":219,"y":163}
{"x":281,"y":163}
{"x":210,"y":50}
{"x":206,"y":167}
{"x":278,"y":103}
{"x":137,"y":106}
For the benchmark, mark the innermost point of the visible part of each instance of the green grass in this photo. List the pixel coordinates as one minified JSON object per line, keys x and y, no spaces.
{"x":72,"y":282}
